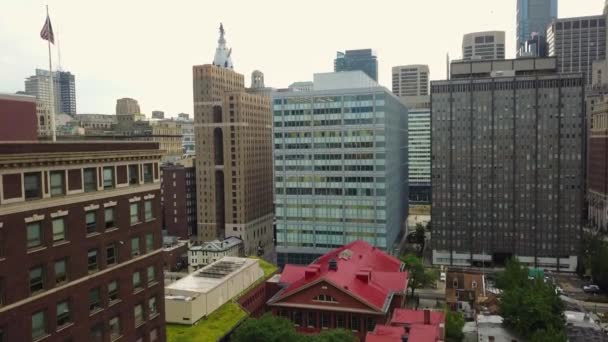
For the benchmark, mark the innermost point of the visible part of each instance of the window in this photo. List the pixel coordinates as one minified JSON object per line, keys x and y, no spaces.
{"x":92,"y":260}
{"x":59,"y":229}
{"x":61,"y":274}
{"x":296,"y":317}
{"x":147,"y":173}
{"x":32,"y":185}
{"x":139,"y":314}
{"x":57,"y":183}
{"x":113,"y":291}
{"x":154,"y":335}
{"x":94,"y":299}
{"x":312,"y":320}
{"x":39,"y":325}
{"x":34,"y":235}
{"x":133,"y":174}
{"x":63,"y":314}
{"x":97,"y":333}
{"x":90,"y":179}
{"x":114,"y":328}
{"x":134,"y":213}
{"x":108,"y":177}
{"x":324,"y":320}
{"x":340,"y":321}
{"x":109,"y":217}
{"x":354,"y":323}
{"x":325,"y":298}
{"x":135,"y":246}
{"x":136,"y":280}
{"x":91,"y":221}
{"x":148,"y":213}
{"x":370,"y":323}
{"x":36,"y":279}
{"x":152,"y":309}
{"x":149,"y":242}
{"x":151,"y":275}
{"x":111,"y":256}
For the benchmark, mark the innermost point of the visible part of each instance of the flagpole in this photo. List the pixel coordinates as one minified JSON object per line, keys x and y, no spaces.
{"x":53,"y":131}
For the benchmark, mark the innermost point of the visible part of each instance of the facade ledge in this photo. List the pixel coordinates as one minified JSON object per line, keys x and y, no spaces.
{"x":95,"y":312}
{"x":59,"y":213}
{"x":111,"y":229}
{"x":42,"y":338}
{"x":116,"y":338}
{"x":114,"y":302}
{"x":61,"y":243}
{"x":36,"y":249}
{"x":65,"y":326}
{"x":93,"y":234}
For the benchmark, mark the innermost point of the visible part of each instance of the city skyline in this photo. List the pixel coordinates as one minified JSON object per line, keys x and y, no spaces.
{"x":152,"y":61}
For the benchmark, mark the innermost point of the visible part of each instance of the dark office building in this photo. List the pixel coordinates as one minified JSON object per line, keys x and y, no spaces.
{"x":67,"y":90}
{"x":80,"y":242}
{"x":178,"y":197}
{"x":508,"y":164}
{"x":533,"y":16}
{"x":364,"y":60}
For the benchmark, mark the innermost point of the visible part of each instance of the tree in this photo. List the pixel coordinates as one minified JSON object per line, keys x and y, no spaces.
{"x":454,"y":322}
{"x":418,"y":276}
{"x":267,"y":328}
{"x":599,"y":266}
{"x":420,"y":235}
{"x":334,"y":335}
{"x":550,"y":335}
{"x":529,"y":305}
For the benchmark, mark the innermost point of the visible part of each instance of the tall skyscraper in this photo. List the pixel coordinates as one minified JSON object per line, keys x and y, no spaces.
{"x":233,"y":132}
{"x":64,"y":89}
{"x":364,"y":60}
{"x":340,"y":166}
{"x":597,"y":177}
{"x":483,"y":45}
{"x":80,"y":242}
{"x":533,"y":16}
{"x":577,"y":43}
{"x":411,"y":85}
{"x":508,"y":159}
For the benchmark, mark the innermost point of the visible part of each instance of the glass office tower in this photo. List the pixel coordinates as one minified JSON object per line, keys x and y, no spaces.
{"x":340,"y":166}
{"x":533,"y":16}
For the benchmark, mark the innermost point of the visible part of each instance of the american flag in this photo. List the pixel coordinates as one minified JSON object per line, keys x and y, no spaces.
{"x":47,"y":31}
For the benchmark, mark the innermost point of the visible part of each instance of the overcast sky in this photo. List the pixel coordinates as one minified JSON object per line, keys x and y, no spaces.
{"x":145,"y":49}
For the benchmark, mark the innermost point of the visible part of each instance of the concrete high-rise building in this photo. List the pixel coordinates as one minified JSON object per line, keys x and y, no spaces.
{"x":64,"y":90}
{"x":411,"y":84}
{"x":597,"y":174}
{"x":364,"y":60}
{"x":419,"y":154}
{"x":508,"y":164}
{"x":577,"y":43}
{"x":483,"y":45}
{"x":533,"y":16}
{"x":80,"y":242}
{"x":233,"y":131}
{"x":178,"y":198}
{"x":340,"y":166}
{"x":127,"y":106}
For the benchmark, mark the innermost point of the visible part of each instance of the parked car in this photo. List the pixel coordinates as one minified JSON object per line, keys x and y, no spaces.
{"x":559,"y":290}
{"x":591,"y":289}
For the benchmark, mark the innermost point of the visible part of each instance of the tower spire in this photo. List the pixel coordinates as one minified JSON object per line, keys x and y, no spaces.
{"x":222,"y":57}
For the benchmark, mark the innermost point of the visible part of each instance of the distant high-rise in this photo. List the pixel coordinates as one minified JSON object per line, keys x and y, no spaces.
{"x":257,"y":80}
{"x":158,"y":114}
{"x":411,"y":84}
{"x":233,"y":131}
{"x":507,"y":164}
{"x":364,"y":60}
{"x":483,"y":45}
{"x":64,"y":90}
{"x":127,"y":106}
{"x":577,"y":42}
{"x":533,"y":16}
{"x":340,"y":166}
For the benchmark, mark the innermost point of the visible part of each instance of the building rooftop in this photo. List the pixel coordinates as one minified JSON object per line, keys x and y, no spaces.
{"x":74,"y":146}
{"x":343,"y":80}
{"x":358,"y":268}
{"x":411,"y":317}
{"x":17,"y":97}
{"x":418,"y":330}
{"x":217,"y":245}
{"x":208,"y":277}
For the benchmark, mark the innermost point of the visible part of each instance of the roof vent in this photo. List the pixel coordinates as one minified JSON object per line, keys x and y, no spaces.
{"x":404,"y":338}
{"x":333,"y":265}
{"x":365,"y":276}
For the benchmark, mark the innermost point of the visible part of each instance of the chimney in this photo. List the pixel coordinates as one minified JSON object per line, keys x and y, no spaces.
{"x":333,"y":265}
{"x":427,"y":317}
{"x":404,"y":338}
{"x":364,"y":275}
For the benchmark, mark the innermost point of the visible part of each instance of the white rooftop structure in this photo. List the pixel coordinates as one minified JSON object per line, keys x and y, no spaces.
{"x":222,"y":53}
{"x":343,"y":80}
{"x":217,"y":245}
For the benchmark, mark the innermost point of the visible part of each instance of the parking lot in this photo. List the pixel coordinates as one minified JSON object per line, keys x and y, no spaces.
{"x":572,"y":286}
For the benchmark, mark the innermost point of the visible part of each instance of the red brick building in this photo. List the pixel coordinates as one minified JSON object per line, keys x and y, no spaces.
{"x":597,"y":168}
{"x":80,"y":242}
{"x":353,"y":287}
{"x":18,"y":121}
{"x":412,"y":326}
{"x":178,"y":189}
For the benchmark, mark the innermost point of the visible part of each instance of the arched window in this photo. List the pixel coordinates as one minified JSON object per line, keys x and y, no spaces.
{"x":325,"y":298}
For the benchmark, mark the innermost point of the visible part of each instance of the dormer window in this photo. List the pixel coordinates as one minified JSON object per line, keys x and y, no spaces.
{"x":325,"y":298}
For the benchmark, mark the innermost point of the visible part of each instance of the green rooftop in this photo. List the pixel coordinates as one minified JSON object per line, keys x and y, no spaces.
{"x":221,"y":321}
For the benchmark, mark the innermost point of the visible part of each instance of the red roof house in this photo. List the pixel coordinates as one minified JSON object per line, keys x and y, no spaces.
{"x":416,"y":325}
{"x":354,"y":287}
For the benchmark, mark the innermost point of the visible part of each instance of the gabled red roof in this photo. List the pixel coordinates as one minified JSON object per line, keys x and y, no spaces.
{"x":356,"y":262}
{"x":410,"y":317}
{"x":384,"y":333}
{"x":418,"y":333}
